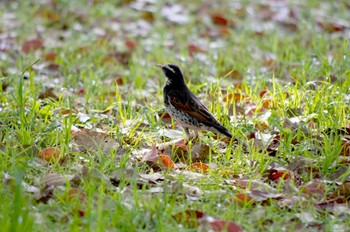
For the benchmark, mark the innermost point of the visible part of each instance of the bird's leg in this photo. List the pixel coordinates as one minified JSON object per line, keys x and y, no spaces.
{"x":196,"y":136}
{"x":188,"y":135}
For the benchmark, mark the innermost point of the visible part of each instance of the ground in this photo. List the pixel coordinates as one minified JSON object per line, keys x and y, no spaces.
{"x":86,"y":143}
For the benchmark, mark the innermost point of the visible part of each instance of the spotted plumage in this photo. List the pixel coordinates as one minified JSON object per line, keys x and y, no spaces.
{"x":184,"y":107}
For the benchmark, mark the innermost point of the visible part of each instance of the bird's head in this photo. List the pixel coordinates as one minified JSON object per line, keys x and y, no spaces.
{"x":173,"y":73}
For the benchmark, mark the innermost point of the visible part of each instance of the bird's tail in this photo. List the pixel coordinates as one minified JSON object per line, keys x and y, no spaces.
{"x":221,"y":129}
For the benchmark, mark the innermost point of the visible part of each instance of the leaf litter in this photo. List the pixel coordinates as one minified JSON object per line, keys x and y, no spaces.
{"x":168,"y":159}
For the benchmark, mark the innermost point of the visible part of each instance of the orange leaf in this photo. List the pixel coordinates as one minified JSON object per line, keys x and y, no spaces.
{"x":131,"y":44}
{"x":263,"y":92}
{"x":220,"y":20}
{"x":181,"y":145}
{"x":237,"y":97}
{"x":267,"y":103}
{"x":167,"y":162}
{"x":199,"y":166}
{"x":65,"y":111}
{"x":49,"y":154}
{"x":243,"y":198}
{"x":280,"y":174}
{"x":50,"y":56}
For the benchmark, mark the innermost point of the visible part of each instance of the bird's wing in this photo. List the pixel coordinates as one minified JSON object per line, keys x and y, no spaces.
{"x":190,"y":104}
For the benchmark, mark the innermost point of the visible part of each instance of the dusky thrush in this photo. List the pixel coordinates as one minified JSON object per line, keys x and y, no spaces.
{"x":184,"y":107}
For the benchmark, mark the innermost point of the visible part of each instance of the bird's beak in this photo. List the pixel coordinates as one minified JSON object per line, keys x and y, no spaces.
{"x":160,"y":65}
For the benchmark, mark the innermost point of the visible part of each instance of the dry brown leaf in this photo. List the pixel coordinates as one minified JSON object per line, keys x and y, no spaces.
{"x":314,"y":189}
{"x":188,"y":217}
{"x":243,"y":199}
{"x":279,"y":174}
{"x":49,"y":154}
{"x":57,"y":179}
{"x":218,"y":19}
{"x":151,"y":155}
{"x":344,"y":190}
{"x":199,"y":152}
{"x":198,"y":167}
{"x":345,"y":151}
{"x":32,"y":45}
{"x":237,"y":97}
{"x":130,"y":44}
{"x":204,"y":222}
{"x":166,"y":161}
{"x":89,"y":141}
{"x":208,"y":223}
{"x":331,"y":27}
{"x":48,"y":14}
{"x":48,"y":93}
{"x":193,"y":48}
{"x":50,"y":56}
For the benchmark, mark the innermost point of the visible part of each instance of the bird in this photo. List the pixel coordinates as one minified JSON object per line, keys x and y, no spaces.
{"x":185,"y":107}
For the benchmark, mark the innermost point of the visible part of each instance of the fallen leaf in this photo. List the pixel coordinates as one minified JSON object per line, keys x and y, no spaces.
{"x":192,"y":49}
{"x":48,"y":14}
{"x":48,"y":93}
{"x":198,"y":167}
{"x":122,"y":57}
{"x":75,"y":193}
{"x":189,"y":217}
{"x":267,"y":103}
{"x":57,"y":179}
{"x":273,"y":146}
{"x":208,"y":223}
{"x":263,"y":93}
{"x":243,"y":199}
{"x":345,"y":151}
{"x":166,"y":161}
{"x":151,"y":155}
{"x":46,"y":194}
{"x":49,"y":154}
{"x":237,"y":97}
{"x":331,"y":27}
{"x":175,"y":13}
{"x":50,"y":56}
{"x":263,"y":195}
{"x":119,"y":81}
{"x":92,"y":141}
{"x":204,"y":222}
{"x":314,"y":189}
{"x":199,"y":152}
{"x":32,"y":45}
{"x":148,"y":16}
{"x":131,"y":44}
{"x":279,"y":174}
{"x":306,"y":217}
{"x":218,"y":19}
{"x":181,"y":144}
{"x":53,"y":67}
{"x":344,"y":189}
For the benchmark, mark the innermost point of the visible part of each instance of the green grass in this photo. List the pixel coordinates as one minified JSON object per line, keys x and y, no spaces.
{"x":86,"y":35}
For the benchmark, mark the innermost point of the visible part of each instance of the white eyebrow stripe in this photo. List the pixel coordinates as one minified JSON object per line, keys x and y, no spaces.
{"x":168,"y":67}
